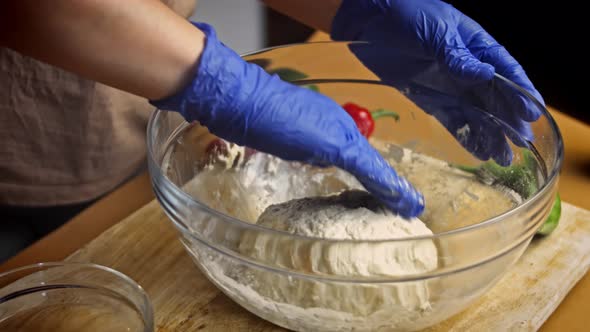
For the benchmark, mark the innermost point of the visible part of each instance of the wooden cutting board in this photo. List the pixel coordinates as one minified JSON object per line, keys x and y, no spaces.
{"x":145,"y":247}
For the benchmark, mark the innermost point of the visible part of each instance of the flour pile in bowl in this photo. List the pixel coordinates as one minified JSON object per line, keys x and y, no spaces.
{"x":330,"y":204}
{"x":351,"y":215}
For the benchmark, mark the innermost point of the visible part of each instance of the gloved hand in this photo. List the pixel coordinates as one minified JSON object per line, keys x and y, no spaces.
{"x":417,"y":44}
{"x":241,"y":103}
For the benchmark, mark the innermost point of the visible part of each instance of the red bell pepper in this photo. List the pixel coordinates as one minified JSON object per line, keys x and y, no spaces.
{"x":365,"y":119}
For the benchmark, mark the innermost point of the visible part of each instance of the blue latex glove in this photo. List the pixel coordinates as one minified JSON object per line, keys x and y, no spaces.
{"x":420,"y":43}
{"x":241,"y":103}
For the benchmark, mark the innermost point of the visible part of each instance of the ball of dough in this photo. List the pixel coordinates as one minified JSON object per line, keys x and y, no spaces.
{"x":352,"y":215}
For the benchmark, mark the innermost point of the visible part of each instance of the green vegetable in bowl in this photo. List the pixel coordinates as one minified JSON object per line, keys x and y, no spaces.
{"x":520,"y":178}
{"x":288,"y":74}
{"x":553,"y":219}
{"x":313,"y":87}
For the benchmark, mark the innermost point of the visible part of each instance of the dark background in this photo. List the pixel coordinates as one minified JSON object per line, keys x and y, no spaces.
{"x":545,"y":38}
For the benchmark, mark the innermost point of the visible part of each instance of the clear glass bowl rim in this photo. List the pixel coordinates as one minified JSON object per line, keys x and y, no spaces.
{"x":547,"y":186}
{"x":147,"y":311}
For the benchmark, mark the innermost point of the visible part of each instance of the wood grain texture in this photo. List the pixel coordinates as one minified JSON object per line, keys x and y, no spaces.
{"x":145,"y":247}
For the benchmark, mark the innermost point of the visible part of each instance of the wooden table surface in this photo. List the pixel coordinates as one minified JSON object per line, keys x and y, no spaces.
{"x":574,"y":187}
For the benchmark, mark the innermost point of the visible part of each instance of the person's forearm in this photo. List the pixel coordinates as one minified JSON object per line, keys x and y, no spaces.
{"x":140,"y":46}
{"x":317,"y":14}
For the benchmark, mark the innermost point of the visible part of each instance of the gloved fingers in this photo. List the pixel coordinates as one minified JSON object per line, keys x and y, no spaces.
{"x":483,"y":137}
{"x":321,"y":133}
{"x":391,"y":64}
{"x":518,"y":130}
{"x":498,"y":100}
{"x":501,"y":152}
{"x":492,"y":138}
{"x":467,"y":120}
{"x":485,"y":48}
{"x":478,"y":133}
{"x":380,"y":179}
{"x":529,"y":109}
{"x":297,"y":124}
{"x":464,"y":65}
{"x":407,"y":206}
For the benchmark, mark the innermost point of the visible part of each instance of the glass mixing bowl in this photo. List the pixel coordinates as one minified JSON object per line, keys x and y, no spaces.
{"x":480,"y":223}
{"x":70,"y":297}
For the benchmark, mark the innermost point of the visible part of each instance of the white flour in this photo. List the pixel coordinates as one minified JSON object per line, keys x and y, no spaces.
{"x":244,"y":192}
{"x":235,"y":155}
{"x":351,"y":215}
{"x":367,"y":308}
{"x":315,"y":304}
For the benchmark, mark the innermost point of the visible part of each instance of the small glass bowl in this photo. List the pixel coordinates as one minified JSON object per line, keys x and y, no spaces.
{"x":70,"y":297}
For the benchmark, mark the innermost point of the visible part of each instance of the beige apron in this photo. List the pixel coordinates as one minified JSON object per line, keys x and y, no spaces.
{"x":64,"y":139}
